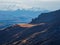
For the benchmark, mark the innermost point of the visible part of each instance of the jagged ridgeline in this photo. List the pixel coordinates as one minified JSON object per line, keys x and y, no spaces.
{"x":43,"y":30}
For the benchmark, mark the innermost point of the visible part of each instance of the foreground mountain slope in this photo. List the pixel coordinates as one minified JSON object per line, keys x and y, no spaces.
{"x":44,"y":30}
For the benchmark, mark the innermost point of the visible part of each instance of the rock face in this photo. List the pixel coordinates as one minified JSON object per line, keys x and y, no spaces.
{"x":44,"y":30}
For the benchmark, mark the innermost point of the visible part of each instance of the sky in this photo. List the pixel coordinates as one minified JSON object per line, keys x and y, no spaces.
{"x":27,"y":4}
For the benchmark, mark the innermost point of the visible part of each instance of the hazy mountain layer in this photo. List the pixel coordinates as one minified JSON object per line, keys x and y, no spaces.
{"x":18,"y":16}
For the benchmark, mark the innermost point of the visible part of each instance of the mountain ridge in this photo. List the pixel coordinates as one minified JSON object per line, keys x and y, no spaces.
{"x":44,"y":17}
{"x":9,"y":17}
{"x":46,"y":31}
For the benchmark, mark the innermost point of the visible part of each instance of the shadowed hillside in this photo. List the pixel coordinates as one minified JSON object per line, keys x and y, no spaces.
{"x":47,"y":17}
{"x":43,"y":30}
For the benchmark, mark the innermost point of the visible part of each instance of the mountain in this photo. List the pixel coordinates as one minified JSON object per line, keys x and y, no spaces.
{"x":18,"y":16}
{"x":47,"y":17}
{"x":43,"y":30}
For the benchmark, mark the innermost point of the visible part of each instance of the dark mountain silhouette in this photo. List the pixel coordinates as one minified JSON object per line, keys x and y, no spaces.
{"x":44,"y":30}
{"x":47,"y":17}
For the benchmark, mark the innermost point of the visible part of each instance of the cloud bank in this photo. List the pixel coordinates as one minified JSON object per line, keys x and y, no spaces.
{"x":27,"y":4}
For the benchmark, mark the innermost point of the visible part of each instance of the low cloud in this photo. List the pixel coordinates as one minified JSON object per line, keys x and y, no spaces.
{"x":27,"y":4}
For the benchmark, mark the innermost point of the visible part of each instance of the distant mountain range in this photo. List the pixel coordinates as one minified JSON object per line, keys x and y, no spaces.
{"x":18,"y":16}
{"x":43,"y":30}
